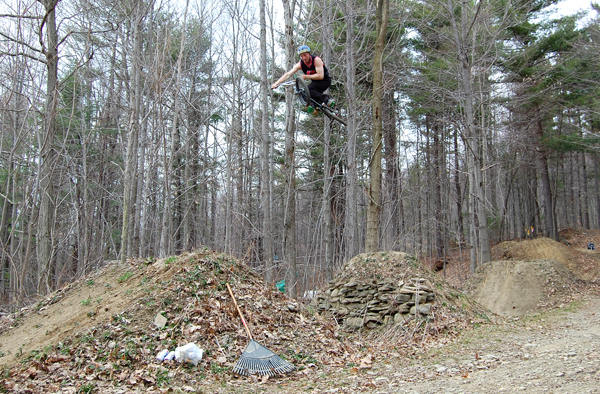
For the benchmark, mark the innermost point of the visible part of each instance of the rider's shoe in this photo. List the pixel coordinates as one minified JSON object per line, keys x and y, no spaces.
{"x":330,"y":102}
{"x":310,"y":109}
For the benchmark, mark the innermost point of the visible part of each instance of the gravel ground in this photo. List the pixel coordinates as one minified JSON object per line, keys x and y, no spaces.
{"x":557,"y":352}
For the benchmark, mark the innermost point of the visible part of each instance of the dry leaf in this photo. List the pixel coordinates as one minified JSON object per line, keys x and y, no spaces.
{"x":366,"y":362}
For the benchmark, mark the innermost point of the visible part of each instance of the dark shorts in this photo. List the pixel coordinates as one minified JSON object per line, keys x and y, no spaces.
{"x":317,"y":87}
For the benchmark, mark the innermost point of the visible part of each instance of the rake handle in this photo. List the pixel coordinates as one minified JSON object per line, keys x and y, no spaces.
{"x":239,"y":311}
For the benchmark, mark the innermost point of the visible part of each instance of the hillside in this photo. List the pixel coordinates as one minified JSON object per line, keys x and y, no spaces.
{"x":99,"y":334}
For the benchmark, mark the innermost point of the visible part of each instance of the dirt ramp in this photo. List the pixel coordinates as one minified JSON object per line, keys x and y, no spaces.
{"x":584,"y":264}
{"x":512,"y":288}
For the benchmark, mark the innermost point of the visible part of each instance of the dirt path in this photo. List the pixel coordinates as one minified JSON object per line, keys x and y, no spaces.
{"x":556,"y":353}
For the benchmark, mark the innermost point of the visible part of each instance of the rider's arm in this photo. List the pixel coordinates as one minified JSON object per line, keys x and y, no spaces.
{"x":319,"y":69}
{"x":288,"y":74}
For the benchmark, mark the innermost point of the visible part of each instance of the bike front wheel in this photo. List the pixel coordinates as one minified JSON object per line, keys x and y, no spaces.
{"x":302,"y":91}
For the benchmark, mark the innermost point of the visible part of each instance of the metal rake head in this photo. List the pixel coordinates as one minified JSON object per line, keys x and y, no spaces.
{"x":258,"y":360}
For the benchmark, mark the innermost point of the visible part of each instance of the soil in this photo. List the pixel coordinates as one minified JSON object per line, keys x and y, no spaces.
{"x":557,"y":352}
{"x":572,"y":252}
{"x":540,"y":333}
{"x":74,"y":308}
{"x":512,"y":288}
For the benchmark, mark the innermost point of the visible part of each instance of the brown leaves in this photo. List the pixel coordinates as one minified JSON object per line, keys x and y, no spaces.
{"x":119,"y":354}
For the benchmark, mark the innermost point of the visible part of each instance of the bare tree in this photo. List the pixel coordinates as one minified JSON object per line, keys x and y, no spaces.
{"x":48,"y":151}
{"x":462,"y":32}
{"x":374,"y":205}
{"x":289,"y":243}
{"x":130,"y":177}
{"x":351,"y":226}
{"x":265,"y":191}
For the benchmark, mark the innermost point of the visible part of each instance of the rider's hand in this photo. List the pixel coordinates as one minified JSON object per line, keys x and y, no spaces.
{"x":274,"y":86}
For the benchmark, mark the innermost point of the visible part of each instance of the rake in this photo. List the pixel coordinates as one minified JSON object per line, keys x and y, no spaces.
{"x":257,"y":359}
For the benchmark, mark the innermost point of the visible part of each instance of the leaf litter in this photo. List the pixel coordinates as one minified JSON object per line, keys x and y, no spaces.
{"x":117,"y":353}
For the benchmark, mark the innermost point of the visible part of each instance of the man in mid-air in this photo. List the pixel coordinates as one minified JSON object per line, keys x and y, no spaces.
{"x":314,"y":70}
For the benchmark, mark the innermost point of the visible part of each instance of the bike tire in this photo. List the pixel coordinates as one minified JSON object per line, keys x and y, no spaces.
{"x":332,"y":115}
{"x":303,"y":92}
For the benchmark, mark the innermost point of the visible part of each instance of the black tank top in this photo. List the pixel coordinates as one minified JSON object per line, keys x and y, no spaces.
{"x":311,"y":70}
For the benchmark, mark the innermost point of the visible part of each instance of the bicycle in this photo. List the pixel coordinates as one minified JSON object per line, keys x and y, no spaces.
{"x":310,"y":105}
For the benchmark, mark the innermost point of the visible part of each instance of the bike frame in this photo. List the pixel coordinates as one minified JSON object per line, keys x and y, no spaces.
{"x":303,"y":95}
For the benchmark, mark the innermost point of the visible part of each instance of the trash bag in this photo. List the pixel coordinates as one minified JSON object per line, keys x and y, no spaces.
{"x":189,"y":353}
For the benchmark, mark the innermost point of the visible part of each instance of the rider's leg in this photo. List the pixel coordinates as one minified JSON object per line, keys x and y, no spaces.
{"x":316,"y":95}
{"x":317,"y":88}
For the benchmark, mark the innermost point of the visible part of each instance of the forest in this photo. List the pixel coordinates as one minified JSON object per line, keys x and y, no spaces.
{"x":141,"y":129}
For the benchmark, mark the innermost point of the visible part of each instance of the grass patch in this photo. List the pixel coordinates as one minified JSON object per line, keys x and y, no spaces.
{"x":125,"y":277}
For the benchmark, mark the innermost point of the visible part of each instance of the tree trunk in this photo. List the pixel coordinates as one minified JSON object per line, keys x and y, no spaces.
{"x":133,"y":132}
{"x":169,"y":238}
{"x":472,"y":137}
{"x":48,"y":157}
{"x":5,"y":228}
{"x":289,"y":242}
{"x":328,"y":172}
{"x":351,"y":236}
{"x":541,"y":159}
{"x":459,"y":201}
{"x":374,"y":204}
{"x":392,"y":170}
{"x":229,"y":182}
{"x":328,"y":169}
{"x":265,"y":173}
{"x":584,"y":193}
{"x":437,"y":161}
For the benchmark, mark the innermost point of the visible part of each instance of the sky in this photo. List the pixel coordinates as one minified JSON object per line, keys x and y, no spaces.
{"x":569,"y":7}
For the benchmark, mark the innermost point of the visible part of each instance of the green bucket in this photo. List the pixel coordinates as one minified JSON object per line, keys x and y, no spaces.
{"x":281,"y":285}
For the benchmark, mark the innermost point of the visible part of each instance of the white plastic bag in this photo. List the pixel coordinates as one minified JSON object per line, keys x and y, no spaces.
{"x":189,"y":353}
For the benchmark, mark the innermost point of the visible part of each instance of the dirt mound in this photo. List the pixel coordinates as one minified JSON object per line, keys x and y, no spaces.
{"x":98,"y":335}
{"x":583,"y":263}
{"x":579,"y":238}
{"x":398,"y":266}
{"x":376,"y":289}
{"x":512,"y":288}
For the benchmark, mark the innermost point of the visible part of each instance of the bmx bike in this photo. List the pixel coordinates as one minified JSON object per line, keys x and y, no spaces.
{"x":310,"y":105}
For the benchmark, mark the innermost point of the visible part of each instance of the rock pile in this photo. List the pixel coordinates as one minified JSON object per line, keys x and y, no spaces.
{"x":370,"y":304}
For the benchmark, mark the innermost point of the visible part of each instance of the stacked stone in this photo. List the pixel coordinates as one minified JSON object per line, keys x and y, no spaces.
{"x":371,"y":304}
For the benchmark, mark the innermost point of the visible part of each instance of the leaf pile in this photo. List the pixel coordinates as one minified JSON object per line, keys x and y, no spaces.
{"x":120,"y":355}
